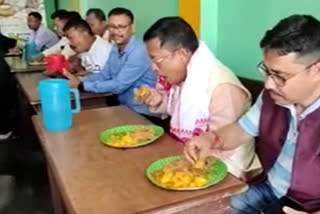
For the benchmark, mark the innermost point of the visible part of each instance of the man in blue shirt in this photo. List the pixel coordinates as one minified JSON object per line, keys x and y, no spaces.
{"x":127,"y":68}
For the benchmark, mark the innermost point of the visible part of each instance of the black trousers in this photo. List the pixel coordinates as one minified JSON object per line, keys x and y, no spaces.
{"x":8,"y":98}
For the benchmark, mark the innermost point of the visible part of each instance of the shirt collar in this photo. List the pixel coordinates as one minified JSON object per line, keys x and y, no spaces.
{"x":128,"y":47}
{"x":314,"y":106}
{"x":39,"y":29}
{"x":94,"y":44}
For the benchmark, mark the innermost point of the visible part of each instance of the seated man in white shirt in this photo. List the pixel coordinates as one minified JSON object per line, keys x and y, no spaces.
{"x":98,"y":23}
{"x":59,"y":19}
{"x":41,"y":36}
{"x":92,"y":49}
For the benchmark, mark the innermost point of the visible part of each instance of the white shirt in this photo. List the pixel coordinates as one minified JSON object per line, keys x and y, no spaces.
{"x":62,"y":47}
{"x":106,"y":35}
{"x":97,"y":56}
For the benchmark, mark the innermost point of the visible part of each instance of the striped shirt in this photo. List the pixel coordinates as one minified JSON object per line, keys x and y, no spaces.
{"x":279,"y":176}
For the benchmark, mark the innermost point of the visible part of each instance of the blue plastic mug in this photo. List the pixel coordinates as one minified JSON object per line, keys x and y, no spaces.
{"x":55,"y":103}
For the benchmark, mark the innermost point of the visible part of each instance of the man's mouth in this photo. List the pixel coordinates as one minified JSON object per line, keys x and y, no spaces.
{"x":275,"y":94}
{"x":116,"y":37}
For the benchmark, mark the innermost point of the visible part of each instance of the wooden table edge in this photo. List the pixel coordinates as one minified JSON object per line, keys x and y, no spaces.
{"x":193,"y":202}
{"x":54,"y":171}
{"x":177,"y":206}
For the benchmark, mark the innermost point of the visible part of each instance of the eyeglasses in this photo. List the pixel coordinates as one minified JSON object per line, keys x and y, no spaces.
{"x":279,"y":80}
{"x":118,"y":27}
{"x":159,"y":61}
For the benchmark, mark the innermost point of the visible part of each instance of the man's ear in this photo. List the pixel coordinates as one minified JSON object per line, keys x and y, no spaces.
{"x":317,"y":65}
{"x":315,"y":71}
{"x":183,"y":53}
{"x":133,"y":28}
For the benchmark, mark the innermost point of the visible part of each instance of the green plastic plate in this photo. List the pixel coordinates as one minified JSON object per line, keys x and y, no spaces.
{"x":217,"y":172}
{"x":104,"y":135}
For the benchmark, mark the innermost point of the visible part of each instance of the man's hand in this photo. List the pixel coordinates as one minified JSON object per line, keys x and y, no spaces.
{"x":289,"y":210}
{"x":15,"y":51}
{"x":75,"y":66}
{"x":205,"y":145}
{"x":74,"y":81}
{"x":152,"y":98}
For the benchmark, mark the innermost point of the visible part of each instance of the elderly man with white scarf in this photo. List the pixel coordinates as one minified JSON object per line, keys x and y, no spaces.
{"x":205,"y":95}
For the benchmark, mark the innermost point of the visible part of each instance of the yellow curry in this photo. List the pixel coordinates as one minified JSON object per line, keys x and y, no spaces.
{"x":181,"y":174}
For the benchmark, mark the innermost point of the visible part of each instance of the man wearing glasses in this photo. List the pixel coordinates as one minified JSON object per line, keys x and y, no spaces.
{"x":127,"y":68}
{"x":205,"y":94}
{"x":285,"y":118}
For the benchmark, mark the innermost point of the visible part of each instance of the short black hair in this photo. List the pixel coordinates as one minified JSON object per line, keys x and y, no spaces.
{"x":35,"y":15}
{"x":78,"y":24}
{"x":173,"y":31}
{"x":122,"y":11}
{"x":295,"y":34}
{"x":73,"y":15}
{"x":98,"y":13}
{"x":61,"y":14}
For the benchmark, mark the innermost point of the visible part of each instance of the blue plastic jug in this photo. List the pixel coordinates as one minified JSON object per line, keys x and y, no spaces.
{"x":56,"y":104}
{"x":30,"y":50}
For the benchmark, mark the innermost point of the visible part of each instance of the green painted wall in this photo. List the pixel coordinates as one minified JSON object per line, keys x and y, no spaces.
{"x":209,"y":18}
{"x":63,"y":4}
{"x":233,"y":28}
{"x":146,"y":13}
{"x":71,"y":4}
{"x":50,"y":8}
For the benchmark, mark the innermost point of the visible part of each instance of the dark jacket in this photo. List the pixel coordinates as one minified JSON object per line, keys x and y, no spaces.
{"x":273,"y":129}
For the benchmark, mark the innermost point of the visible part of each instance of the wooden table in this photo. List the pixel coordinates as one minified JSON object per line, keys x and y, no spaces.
{"x":28,"y":84}
{"x":96,"y":179}
{"x":18,"y":65}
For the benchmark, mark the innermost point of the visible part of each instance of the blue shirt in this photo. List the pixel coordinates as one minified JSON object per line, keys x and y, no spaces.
{"x":279,"y":176}
{"x":123,"y":72}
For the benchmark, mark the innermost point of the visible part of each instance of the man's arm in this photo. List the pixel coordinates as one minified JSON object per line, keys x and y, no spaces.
{"x":289,"y":210}
{"x":226,"y":138}
{"x":136,"y":65}
{"x":227,"y":103}
{"x":55,"y":48}
{"x":232,"y":136}
{"x":244,"y":130}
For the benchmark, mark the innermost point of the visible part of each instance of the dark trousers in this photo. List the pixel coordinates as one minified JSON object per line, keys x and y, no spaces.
{"x":8,"y":99}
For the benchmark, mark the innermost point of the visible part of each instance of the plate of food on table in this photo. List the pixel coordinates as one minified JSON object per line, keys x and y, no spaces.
{"x":177,"y":173}
{"x":130,"y":136}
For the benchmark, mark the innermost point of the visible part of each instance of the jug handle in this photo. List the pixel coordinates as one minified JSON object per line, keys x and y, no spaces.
{"x":77,"y":101}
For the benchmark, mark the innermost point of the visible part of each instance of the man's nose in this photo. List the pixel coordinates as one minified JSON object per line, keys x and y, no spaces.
{"x":155,"y":67}
{"x":269,"y":83}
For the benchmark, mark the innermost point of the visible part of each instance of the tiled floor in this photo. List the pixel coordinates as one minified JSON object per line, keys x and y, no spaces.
{"x":31,"y":191}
